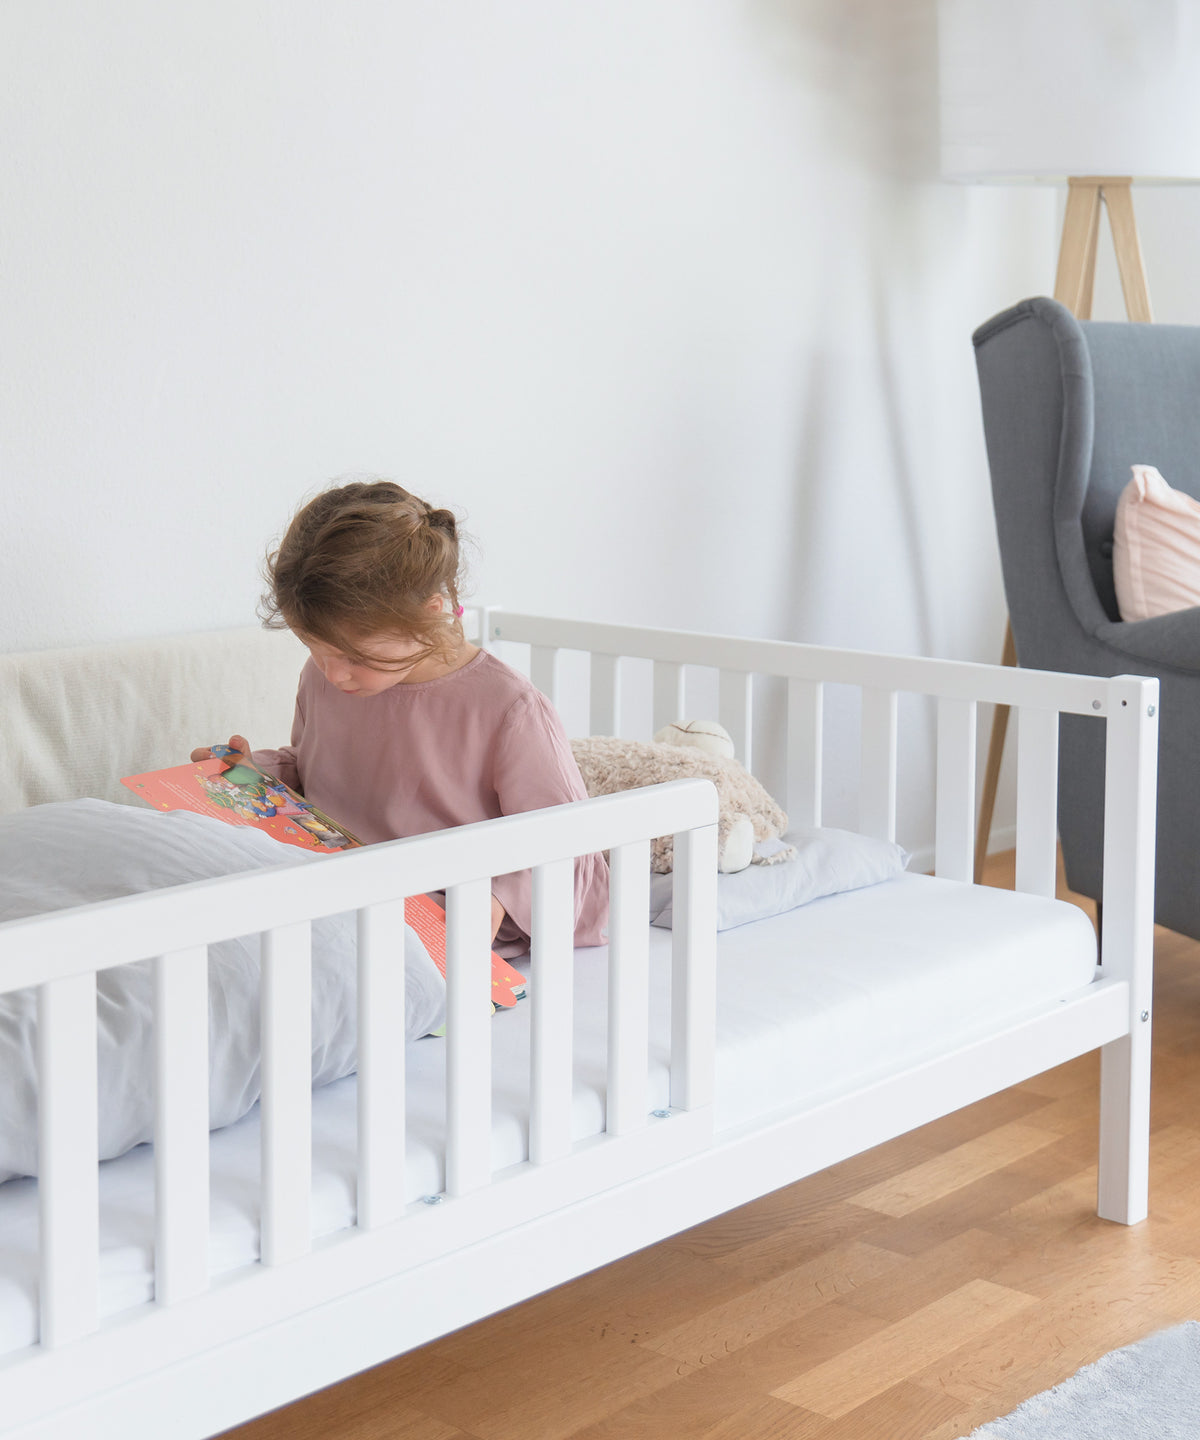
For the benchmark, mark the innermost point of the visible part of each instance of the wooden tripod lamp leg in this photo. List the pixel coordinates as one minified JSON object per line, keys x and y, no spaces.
{"x":1076,"y":275}
{"x":991,"y":775}
{"x":1136,"y":289}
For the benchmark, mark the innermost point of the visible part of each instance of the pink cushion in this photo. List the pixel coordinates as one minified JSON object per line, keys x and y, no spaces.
{"x":1156,"y":547}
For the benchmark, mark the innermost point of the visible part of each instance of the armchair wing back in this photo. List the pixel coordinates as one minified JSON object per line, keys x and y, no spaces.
{"x":1068,"y":407}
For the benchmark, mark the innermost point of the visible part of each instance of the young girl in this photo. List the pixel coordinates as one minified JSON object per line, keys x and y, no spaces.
{"x":402,"y":726}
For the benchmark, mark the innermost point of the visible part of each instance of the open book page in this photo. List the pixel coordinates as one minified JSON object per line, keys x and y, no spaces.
{"x":242,"y":794}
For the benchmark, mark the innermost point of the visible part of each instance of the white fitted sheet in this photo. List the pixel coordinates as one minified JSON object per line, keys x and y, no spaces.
{"x":809,"y":1003}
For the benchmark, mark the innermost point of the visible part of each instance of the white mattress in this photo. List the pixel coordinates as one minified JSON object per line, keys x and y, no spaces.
{"x":818,"y":1000}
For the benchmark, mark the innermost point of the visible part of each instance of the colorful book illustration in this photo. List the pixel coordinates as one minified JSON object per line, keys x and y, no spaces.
{"x":232,"y":788}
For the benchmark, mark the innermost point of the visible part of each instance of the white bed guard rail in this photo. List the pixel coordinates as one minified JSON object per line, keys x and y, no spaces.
{"x":61,"y":952}
{"x":1128,"y":704}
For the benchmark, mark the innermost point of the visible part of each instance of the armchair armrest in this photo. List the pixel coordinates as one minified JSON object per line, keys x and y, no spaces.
{"x":1172,"y":640}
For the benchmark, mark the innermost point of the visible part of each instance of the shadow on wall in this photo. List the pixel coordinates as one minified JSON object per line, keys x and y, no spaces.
{"x":815,"y":575}
{"x":871,"y":66}
{"x":810,"y":517}
{"x":904,"y":472}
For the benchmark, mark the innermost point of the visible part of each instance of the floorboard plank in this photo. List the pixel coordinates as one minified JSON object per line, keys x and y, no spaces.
{"x":720,"y":1330}
{"x":904,"y":1349}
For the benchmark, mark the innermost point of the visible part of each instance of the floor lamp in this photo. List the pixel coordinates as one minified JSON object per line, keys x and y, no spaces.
{"x":1094,"y":95}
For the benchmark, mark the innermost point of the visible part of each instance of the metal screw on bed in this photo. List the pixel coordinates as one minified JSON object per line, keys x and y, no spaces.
{"x":1150,"y":711}
{"x":661,"y":1114}
{"x":1095,"y":704}
{"x":432,"y":1199}
{"x":1145,"y":1016}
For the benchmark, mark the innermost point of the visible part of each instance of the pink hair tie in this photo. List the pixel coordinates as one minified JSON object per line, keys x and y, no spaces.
{"x":458,"y":610}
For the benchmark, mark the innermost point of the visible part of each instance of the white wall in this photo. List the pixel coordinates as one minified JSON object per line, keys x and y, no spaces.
{"x":664,"y":296}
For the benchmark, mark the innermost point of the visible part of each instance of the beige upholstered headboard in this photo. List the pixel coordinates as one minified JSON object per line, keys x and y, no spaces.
{"x":72,"y":722}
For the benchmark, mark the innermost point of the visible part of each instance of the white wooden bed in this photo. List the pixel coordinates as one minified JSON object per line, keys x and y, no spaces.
{"x":639,"y":1114}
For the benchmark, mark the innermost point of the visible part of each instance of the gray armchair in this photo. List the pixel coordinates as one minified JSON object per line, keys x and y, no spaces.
{"x":1068,"y":407}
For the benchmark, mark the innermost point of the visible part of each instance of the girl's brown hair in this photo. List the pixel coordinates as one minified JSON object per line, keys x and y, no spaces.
{"x":362,"y":560}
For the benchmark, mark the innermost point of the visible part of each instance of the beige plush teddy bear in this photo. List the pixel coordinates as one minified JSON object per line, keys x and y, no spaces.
{"x":684,"y":751}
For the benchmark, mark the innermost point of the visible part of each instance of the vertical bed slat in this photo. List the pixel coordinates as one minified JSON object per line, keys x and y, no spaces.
{"x":954,"y":827}
{"x":381,"y":1101}
{"x":543,"y":670}
{"x":628,"y":987}
{"x":736,"y":710}
{"x":606,"y":695}
{"x":181,"y":1124}
{"x":877,"y":796}
{"x":694,"y":968}
{"x":1037,"y":800}
{"x":286,"y":1093}
{"x":68,"y":1178}
{"x":552,"y":1019}
{"x":805,"y":722}
{"x":468,"y":1037}
{"x":669,"y":695}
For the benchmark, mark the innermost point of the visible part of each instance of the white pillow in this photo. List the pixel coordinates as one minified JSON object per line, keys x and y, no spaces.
{"x":79,"y":851}
{"x":827,"y":862}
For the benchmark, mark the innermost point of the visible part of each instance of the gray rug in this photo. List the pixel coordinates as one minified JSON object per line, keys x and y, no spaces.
{"x":1147,"y":1391}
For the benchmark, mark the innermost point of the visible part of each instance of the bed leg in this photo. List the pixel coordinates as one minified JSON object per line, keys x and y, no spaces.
{"x":1127,"y":943}
{"x":1125,"y":1128}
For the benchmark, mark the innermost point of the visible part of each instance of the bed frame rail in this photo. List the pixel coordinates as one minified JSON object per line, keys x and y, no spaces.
{"x":409,"y":1271}
{"x":958,"y":687}
{"x":61,"y":953}
{"x":1127,"y":704}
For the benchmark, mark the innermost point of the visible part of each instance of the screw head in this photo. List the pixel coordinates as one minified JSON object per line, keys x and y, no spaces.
{"x":1095,"y":705}
{"x":432,"y":1199}
{"x":661,"y":1114}
{"x":1150,"y":711}
{"x":1145,"y":1016}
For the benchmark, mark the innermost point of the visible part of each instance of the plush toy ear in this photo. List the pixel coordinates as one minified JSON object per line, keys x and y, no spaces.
{"x":705,"y":735}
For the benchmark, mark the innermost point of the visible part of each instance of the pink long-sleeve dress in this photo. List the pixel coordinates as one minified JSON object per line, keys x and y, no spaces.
{"x":474,"y":744}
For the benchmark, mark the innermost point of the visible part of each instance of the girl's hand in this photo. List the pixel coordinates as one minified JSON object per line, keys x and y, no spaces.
{"x":237,"y":743}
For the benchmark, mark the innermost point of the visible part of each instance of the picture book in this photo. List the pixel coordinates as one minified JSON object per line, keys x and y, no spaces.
{"x":230,"y":787}
{"x":242,"y":794}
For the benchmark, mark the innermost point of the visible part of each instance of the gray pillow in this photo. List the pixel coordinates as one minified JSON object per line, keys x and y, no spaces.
{"x":827,"y":862}
{"x":53,"y":857}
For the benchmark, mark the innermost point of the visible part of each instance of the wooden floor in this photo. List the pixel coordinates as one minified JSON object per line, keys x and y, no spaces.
{"x":911,"y":1293}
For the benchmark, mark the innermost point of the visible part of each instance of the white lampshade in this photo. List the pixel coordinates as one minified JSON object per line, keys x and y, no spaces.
{"x":1044,"y":89}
